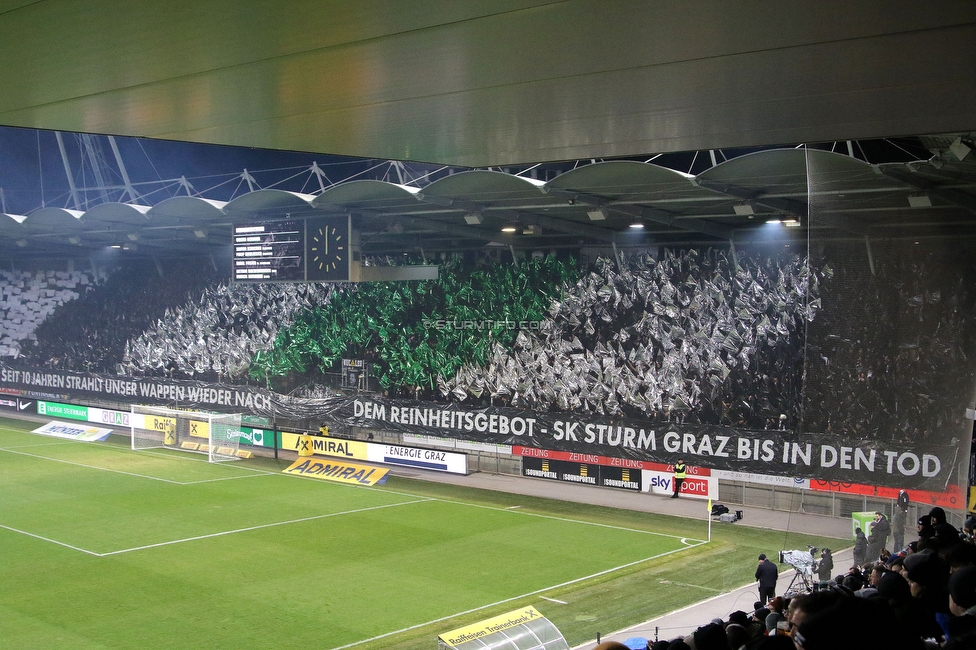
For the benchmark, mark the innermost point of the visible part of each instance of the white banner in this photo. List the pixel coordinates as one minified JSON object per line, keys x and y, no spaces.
{"x":73,"y":431}
{"x":443,"y":461}
{"x":696,"y":487}
{"x":454,"y":443}
{"x":762,"y":479}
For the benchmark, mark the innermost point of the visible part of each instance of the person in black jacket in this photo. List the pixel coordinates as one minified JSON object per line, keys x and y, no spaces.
{"x":766,"y":574}
{"x":898,"y":521}
{"x":860,"y":547}
{"x":873,"y":551}
{"x":881,"y":528}
{"x":825,"y":565}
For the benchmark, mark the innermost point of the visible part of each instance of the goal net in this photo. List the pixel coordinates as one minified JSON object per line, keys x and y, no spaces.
{"x":218,"y":435}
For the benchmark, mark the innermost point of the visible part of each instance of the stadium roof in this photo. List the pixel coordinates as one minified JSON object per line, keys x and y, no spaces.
{"x":593,"y":205}
{"x":504,"y":84}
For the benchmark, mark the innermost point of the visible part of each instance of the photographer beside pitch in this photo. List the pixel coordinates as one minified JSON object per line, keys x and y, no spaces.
{"x":766,"y":575}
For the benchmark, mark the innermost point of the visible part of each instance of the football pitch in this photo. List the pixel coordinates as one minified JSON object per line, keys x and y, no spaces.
{"x":104,"y":547}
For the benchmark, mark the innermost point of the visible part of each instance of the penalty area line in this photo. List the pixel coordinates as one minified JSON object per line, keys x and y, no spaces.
{"x":52,"y":541}
{"x":508,"y":600}
{"x":258,"y":527}
{"x":104,"y":469}
{"x":691,"y":541}
{"x":252,"y":472}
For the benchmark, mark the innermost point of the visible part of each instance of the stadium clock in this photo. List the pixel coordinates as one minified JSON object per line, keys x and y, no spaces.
{"x":328,"y":252}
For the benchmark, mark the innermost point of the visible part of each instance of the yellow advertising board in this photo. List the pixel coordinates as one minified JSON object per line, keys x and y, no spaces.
{"x":972,"y":499}
{"x":158,"y":423}
{"x":339,"y":471}
{"x":199,"y":429}
{"x":490,"y":626}
{"x":327,"y":446}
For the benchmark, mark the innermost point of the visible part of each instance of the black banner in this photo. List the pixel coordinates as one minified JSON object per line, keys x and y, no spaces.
{"x":584,"y":473}
{"x":63,"y":385}
{"x":914,"y":465}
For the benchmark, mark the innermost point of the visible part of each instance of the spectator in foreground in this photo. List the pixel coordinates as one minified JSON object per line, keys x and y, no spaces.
{"x":854,"y":624}
{"x":927,"y":577}
{"x":962,"y":606}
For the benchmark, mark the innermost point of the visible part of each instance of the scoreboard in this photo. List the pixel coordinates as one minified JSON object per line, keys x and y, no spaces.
{"x":293,"y":250}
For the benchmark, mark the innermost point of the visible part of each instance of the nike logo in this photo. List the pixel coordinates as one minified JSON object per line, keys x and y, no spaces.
{"x":23,"y":405}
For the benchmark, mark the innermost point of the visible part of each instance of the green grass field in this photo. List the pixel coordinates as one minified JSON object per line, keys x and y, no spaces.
{"x":103,"y":547}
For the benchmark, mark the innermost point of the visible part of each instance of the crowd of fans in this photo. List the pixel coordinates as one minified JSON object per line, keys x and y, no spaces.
{"x":921,"y":596}
{"x":890,"y":354}
{"x":90,"y":332}
{"x":27,"y":298}
{"x":689,"y":336}
{"x":215,"y":337}
{"x":693,"y":336}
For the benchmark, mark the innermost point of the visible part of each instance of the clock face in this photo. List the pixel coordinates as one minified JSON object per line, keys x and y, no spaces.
{"x":328,"y":251}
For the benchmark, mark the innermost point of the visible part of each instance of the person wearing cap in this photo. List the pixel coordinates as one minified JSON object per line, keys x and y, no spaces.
{"x":766,"y":574}
{"x":962,"y":606}
{"x":962,"y":592}
{"x":679,"y":477}
{"x":927,"y":579}
{"x":924,"y":527}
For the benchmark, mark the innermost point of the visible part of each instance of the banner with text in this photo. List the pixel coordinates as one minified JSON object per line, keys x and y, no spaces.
{"x":73,"y":432}
{"x":911,"y":465}
{"x":374,"y":452}
{"x":339,"y":471}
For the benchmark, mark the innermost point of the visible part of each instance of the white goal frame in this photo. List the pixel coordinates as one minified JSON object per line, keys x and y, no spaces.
{"x":218,"y":435}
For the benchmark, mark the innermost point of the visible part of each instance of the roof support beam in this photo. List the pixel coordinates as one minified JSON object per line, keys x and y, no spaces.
{"x":789,"y":206}
{"x":646,"y":213}
{"x":797,"y":208}
{"x":465,"y":232}
{"x":543,"y":221}
{"x":955,"y":197}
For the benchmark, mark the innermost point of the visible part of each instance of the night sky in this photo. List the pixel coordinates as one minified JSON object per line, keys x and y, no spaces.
{"x":32,"y":173}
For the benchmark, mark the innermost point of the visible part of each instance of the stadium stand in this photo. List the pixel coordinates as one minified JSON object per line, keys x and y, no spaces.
{"x":27,"y":299}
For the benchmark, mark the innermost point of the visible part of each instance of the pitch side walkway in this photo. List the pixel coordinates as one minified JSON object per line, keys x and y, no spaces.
{"x":683,"y":507}
{"x":684,"y":621}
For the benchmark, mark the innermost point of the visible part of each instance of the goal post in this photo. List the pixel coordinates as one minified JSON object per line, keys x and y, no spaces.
{"x":218,"y":435}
